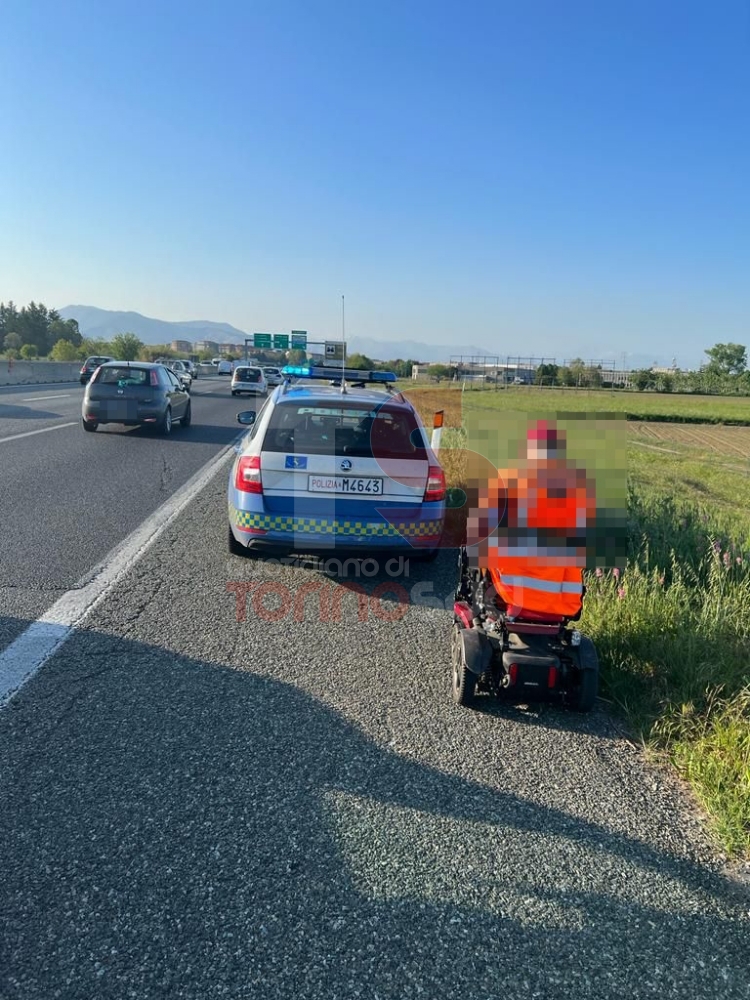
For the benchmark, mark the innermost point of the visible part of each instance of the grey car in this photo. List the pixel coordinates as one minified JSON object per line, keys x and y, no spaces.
{"x":134,"y":393}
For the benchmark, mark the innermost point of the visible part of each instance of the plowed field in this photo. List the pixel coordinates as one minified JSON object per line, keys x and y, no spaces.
{"x":729,"y":442}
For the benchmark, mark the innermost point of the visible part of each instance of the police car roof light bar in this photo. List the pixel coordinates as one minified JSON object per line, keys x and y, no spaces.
{"x":329,"y":374}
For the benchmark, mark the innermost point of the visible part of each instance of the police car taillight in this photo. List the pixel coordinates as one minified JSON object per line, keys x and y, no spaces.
{"x":435,"y":485}
{"x":247,"y":478}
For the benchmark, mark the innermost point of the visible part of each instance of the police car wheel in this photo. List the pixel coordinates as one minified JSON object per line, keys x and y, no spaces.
{"x":464,"y":682}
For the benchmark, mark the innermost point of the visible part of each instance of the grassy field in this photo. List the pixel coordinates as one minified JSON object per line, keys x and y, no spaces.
{"x":649,"y":406}
{"x":673,"y":629}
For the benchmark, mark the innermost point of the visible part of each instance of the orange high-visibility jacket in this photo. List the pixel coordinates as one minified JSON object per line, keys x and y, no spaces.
{"x":547,"y":496}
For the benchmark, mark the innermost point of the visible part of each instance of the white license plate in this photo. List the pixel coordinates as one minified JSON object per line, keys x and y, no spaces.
{"x":345,"y":484}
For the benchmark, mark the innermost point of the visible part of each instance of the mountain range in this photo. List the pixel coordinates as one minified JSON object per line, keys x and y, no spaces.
{"x":103,"y":324}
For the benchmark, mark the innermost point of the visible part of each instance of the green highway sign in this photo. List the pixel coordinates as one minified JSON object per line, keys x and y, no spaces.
{"x":262,"y":340}
{"x":299,"y":339}
{"x":281,"y":341}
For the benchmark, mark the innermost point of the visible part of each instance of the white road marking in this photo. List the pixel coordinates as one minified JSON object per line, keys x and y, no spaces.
{"x":42,"y":430}
{"x":33,"y":399}
{"x":23,"y":658}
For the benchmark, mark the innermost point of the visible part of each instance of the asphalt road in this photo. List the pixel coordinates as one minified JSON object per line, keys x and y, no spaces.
{"x":197,"y":802}
{"x":67,"y":498}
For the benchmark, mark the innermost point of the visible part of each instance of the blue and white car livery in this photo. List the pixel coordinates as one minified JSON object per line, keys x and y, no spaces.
{"x":336,"y":466}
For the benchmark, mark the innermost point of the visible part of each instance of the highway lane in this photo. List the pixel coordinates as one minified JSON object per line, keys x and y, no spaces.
{"x":67,"y":498}
{"x":201,"y":804}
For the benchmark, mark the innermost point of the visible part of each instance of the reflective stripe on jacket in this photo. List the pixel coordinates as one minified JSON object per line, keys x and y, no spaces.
{"x":552,"y":590}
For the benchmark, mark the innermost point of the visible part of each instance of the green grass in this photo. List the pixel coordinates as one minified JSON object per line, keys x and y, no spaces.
{"x":636,"y":405}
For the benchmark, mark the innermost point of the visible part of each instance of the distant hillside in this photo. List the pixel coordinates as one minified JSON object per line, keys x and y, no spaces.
{"x":105,"y":324}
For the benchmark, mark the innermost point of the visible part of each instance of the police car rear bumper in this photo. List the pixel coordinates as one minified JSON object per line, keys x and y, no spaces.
{"x":273,"y":532}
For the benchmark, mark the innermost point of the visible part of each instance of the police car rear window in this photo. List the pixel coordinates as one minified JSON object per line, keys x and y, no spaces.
{"x":327,"y":429}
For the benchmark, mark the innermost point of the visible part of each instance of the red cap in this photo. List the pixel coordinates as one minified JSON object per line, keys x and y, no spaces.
{"x":544,"y":430}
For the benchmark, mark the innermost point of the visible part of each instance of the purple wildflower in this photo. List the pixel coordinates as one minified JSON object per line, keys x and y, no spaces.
{"x":738,"y":560}
{"x":599,"y":571}
{"x":726,"y":559}
{"x":717,"y":547}
{"x":621,"y":592}
{"x":616,"y":573}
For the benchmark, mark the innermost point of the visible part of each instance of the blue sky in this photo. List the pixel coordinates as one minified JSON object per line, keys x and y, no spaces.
{"x":556,"y":178}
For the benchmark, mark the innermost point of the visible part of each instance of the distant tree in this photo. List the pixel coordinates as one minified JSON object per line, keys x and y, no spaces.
{"x":565,"y":376}
{"x":643,"y":379}
{"x":577,"y":371}
{"x":438,"y":372}
{"x":33,"y":325}
{"x":546,"y":374}
{"x":150,"y":352}
{"x":592,"y":376}
{"x":63,"y":350}
{"x":92,"y":346}
{"x":665,"y":383}
{"x":8,"y":319}
{"x":12,"y":342}
{"x":727,"y":359}
{"x":28,"y":351}
{"x":126,"y":346}
{"x":296,"y":357}
{"x":64,"y":329}
{"x":360,"y":361}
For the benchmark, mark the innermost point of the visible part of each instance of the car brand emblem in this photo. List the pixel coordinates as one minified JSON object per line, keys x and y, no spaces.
{"x":346,"y":465}
{"x":120,"y":392}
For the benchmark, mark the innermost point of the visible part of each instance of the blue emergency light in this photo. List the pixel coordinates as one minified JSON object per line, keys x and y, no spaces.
{"x":336,"y":374}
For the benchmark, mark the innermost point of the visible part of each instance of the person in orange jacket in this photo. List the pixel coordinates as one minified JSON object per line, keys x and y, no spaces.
{"x":529,"y":529}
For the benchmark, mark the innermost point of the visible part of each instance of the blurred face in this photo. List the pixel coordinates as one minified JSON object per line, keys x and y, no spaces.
{"x":538,"y":450}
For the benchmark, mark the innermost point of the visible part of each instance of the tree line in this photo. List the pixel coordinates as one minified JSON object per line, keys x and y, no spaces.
{"x":34,"y":331}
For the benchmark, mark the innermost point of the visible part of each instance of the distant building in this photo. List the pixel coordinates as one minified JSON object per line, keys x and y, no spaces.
{"x":181,"y":346}
{"x":229,"y":349}
{"x":207,"y":346}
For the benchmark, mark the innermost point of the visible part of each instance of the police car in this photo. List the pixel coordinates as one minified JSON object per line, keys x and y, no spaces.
{"x":335,"y":460}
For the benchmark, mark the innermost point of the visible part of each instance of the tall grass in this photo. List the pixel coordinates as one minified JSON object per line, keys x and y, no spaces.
{"x":673,"y":635}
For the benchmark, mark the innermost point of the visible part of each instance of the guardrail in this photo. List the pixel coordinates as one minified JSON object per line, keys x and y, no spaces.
{"x":35,"y":372}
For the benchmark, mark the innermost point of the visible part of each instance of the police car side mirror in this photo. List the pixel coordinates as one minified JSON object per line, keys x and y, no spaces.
{"x":246,"y":417}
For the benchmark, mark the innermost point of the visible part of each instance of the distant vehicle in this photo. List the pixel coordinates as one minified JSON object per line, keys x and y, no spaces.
{"x":90,"y":365}
{"x":181,"y":372}
{"x":216,"y":361}
{"x":121,"y":392}
{"x":519,"y":381}
{"x":224,"y":367}
{"x":273,"y":375}
{"x":249,"y":379}
{"x":182,"y":364}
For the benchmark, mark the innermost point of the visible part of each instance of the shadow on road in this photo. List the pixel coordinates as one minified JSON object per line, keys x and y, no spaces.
{"x":14,"y":411}
{"x":172,"y":827}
